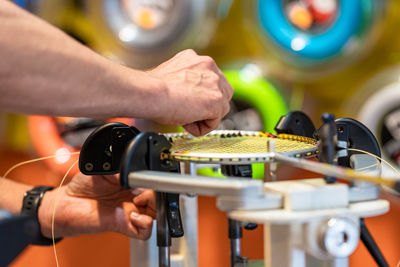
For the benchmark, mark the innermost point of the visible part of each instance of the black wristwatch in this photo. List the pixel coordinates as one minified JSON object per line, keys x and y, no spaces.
{"x":30,"y":207}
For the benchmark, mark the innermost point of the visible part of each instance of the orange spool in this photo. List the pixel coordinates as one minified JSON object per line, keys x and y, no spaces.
{"x":48,"y":141}
{"x":300,"y":16}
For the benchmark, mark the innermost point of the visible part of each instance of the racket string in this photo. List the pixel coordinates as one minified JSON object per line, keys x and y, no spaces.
{"x":239,"y":144}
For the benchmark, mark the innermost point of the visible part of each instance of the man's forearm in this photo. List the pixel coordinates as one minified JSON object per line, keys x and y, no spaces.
{"x":58,"y":76}
{"x":12,"y":194}
{"x":43,"y":71}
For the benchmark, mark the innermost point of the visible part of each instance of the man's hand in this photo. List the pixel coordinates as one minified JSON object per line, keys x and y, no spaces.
{"x":197,"y":92}
{"x":94,"y":204}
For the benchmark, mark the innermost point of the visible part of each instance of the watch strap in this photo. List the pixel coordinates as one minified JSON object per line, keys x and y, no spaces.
{"x":30,"y":207}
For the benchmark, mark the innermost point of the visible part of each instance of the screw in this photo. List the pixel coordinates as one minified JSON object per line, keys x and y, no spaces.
{"x":106,"y":166}
{"x":89,"y":166}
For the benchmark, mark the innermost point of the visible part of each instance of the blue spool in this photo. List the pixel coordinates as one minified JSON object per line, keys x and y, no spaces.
{"x":302,"y":44}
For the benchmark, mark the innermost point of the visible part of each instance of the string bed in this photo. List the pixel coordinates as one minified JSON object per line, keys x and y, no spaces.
{"x":238,"y":146}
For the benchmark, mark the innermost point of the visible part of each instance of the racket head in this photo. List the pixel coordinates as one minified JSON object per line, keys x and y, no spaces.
{"x":238,"y":147}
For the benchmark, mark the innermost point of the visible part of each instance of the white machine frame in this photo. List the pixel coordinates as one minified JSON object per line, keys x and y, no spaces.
{"x":306,"y":222}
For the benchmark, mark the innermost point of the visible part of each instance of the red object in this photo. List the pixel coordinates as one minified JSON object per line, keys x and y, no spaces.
{"x":323,"y":10}
{"x":47,"y":141}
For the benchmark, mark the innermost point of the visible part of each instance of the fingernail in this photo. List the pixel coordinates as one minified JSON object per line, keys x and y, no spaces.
{"x":134,"y":215}
{"x":137,"y":191}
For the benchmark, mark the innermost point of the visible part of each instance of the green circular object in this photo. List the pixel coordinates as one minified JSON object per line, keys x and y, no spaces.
{"x":262,"y":96}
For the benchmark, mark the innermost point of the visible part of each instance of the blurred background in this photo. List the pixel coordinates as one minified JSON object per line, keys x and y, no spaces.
{"x":318,"y":56}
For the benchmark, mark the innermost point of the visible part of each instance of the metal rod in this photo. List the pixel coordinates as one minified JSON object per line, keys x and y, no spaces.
{"x":235,"y":251}
{"x":370,"y":244}
{"x":271,"y":145}
{"x":235,"y":234}
{"x":234,"y":227}
{"x":327,"y":144}
{"x":164,"y":257}
{"x":163,"y":235}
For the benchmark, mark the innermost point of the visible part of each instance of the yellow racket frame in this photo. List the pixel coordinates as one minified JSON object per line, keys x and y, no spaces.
{"x":238,"y":147}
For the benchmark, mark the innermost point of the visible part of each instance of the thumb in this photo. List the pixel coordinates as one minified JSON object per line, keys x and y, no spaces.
{"x":142,"y":225}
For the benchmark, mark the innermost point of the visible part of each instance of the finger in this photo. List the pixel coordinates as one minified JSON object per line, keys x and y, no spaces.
{"x":142,"y":225}
{"x":226,"y":107}
{"x":146,"y":203}
{"x":207,"y":126}
{"x":202,"y":127}
{"x":190,"y":52}
{"x":137,"y":191}
{"x":146,"y":198}
{"x":192,"y":128}
{"x":226,"y":87}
